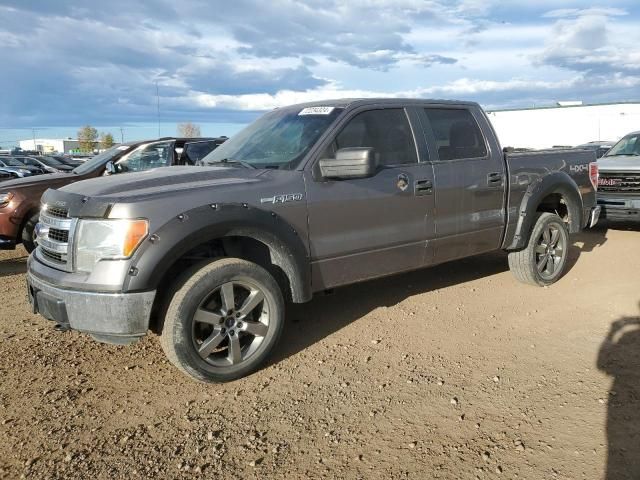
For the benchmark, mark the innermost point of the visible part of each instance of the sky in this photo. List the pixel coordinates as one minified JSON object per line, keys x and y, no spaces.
{"x":67,"y":63}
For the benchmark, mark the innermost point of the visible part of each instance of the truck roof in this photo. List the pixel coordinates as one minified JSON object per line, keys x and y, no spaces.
{"x":356,"y":102}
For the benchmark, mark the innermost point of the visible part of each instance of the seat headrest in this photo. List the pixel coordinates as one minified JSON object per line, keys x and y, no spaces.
{"x":462,"y":134}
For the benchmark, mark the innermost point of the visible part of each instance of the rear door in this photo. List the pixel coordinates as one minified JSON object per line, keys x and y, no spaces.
{"x":367,"y":227}
{"x":470,"y":181}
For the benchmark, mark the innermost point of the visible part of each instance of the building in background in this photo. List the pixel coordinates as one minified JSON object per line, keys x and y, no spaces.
{"x":51,"y":145}
{"x":568,"y":124}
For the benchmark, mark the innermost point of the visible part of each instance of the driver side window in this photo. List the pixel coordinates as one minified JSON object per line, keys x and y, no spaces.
{"x":387,"y":131}
{"x":146,"y":157}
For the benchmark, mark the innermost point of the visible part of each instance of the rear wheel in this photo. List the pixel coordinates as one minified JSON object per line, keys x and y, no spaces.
{"x":543,"y":260}
{"x":223,"y":321}
{"x":28,"y":233}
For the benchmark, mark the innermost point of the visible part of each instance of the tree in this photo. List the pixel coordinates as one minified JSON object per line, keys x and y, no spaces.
{"x":188,"y":130}
{"x":106,"y":140}
{"x":87,"y":137}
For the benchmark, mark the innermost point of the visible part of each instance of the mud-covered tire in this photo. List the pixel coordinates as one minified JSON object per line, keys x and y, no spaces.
{"x":223,"y":320}
{"x":28,"y":232}
{"x":544,"y":259}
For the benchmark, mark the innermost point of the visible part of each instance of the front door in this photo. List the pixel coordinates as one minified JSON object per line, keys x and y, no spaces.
{"x":368,"y":227}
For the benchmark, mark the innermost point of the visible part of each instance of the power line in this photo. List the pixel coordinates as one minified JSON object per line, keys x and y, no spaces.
{"x":158,"y":102}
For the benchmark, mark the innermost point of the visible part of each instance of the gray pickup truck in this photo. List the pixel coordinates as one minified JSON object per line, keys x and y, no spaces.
{"x":619,"y":180}
{"x":307,"y":198}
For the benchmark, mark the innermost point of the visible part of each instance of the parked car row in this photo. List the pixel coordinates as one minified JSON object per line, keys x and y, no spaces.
{"x":20,"y":199}
{"x":19,"y":169}
{"x":20,"y":163}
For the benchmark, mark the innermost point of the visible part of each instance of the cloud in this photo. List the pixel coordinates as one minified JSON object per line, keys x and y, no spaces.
{"x":577,"y":12}
{"x":504,"y":93}
{"x":72,"y":62}
{"x":581,"y":40}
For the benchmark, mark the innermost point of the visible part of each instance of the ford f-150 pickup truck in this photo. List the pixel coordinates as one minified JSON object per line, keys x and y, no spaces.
{"x":20,"y":199}
{"x":619,"y":181}
{"x":307,"y":198}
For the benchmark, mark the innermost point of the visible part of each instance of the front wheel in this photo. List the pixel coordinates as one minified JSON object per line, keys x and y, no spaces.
{"x":223,"y":321}
{"x":543,"y":260}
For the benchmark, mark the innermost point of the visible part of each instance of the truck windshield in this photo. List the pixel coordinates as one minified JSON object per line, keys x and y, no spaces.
{"x":279,"y":139}
{"x":100,"y":160}
{"x":629,"y":145}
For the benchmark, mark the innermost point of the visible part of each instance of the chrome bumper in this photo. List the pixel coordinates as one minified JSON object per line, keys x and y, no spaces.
{"x":620,"y":207}
{"x":594,"y":216}
{"x":109,"y":317}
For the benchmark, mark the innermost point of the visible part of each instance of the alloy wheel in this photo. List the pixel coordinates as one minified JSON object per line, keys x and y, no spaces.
{"x":549,"y":251}
{"x":231,"y":323}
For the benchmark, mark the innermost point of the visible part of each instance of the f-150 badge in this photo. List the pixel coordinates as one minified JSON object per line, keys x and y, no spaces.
{"x":283,"y":198}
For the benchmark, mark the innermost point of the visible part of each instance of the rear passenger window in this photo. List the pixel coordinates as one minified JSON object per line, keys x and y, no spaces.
{"x":457,"y":134}
{"x":386,"y":131}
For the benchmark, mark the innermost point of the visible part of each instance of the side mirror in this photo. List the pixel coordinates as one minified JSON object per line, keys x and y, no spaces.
{"x":111,"y":168}
{"x":355,"y":162}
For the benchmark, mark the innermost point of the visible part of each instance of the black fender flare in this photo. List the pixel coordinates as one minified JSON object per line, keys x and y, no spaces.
{"x":557,"y":182}
{"x":164,"y":246}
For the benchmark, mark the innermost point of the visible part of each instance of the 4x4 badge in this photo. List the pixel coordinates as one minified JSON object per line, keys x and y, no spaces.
{"x":283,"y":198}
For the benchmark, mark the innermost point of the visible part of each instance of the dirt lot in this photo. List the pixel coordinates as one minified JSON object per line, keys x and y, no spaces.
{"x":453,"y":372}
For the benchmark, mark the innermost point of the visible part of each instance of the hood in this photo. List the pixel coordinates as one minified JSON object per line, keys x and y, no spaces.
{"x":161,"y":181}
{"x":52,"y":180}
{"x":619,"y":163}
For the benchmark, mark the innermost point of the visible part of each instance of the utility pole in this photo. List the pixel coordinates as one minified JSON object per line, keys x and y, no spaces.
{"x":158,"y":102}
{"x":121,"y":135}
{"x":33,"y":133}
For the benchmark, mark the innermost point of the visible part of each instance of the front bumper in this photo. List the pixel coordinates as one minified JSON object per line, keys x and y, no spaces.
{"x":620,"y":207}
{"x":119,"y":318}
{"x":7,"y":243}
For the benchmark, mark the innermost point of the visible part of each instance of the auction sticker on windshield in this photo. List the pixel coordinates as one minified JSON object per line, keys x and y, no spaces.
{"x":316,"y":111}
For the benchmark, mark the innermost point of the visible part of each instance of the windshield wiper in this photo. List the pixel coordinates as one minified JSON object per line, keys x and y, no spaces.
{"x":624,"y":154}
{"x":229,"y":161}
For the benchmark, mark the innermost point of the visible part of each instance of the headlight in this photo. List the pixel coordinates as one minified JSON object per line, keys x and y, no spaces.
{"x":5,"y":198}
{"x":107,"y":240}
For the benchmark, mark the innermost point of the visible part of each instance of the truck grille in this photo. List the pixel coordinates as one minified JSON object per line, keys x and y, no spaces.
{"x":619,"y":182}
{"x":59,"y":235}
{"x":57,"y":212}
{"x":56,"y":257}
{"x":54,"y":238}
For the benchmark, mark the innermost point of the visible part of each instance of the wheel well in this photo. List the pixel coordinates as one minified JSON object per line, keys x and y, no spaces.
{"x":555,"y":203}
{"x":25,"y":219}
{"x":236,"y":246}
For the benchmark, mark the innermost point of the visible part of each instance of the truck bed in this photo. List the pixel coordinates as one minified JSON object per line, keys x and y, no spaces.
{"x":528,"y":170}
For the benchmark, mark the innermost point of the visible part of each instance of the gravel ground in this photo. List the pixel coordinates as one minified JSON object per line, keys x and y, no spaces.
{"x":453,"y":372}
